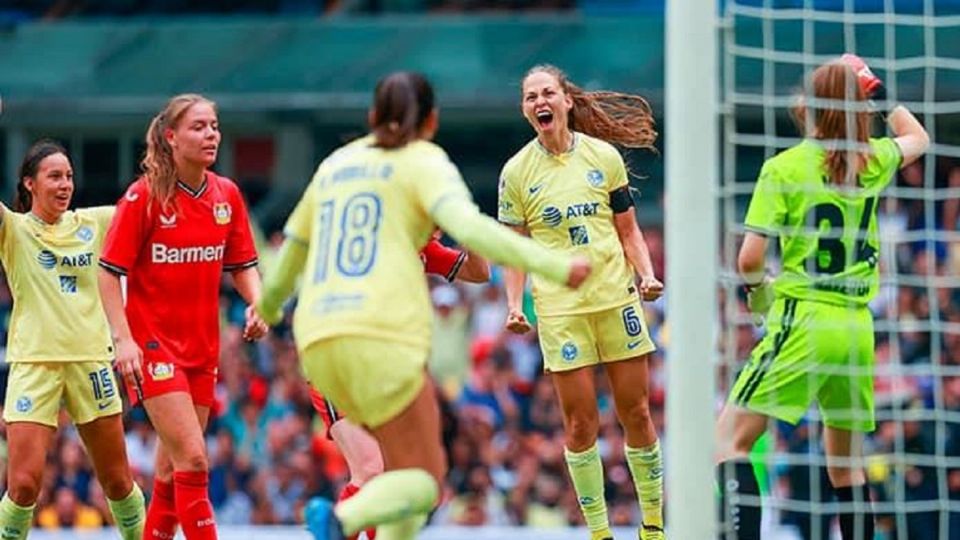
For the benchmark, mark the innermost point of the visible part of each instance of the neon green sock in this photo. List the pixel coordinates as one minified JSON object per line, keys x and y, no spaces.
{"x":405,"y":529}
{"x":130,"y":514}
{"x":388,"y":498}
{"x":15,"y":520}
{"x":586,"y":472}
{"x":646,"y":467}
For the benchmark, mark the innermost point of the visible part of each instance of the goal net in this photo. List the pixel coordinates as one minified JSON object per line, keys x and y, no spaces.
{"x":913,"y":457}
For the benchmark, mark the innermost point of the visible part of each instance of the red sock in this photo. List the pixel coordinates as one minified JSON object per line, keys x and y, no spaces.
{"x":193,"y":505}
{"x":348,"y":491}
{"x":162,"y":520}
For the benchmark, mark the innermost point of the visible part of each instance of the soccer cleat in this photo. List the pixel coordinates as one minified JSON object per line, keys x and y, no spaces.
{"x":605,"y":534}
{"x":651,"y":532}
{"x":321,"y":522}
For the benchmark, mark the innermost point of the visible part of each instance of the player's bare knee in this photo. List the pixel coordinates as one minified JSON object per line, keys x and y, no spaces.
{"x":193,"y":460}
{"x":637,"y":417}
{"x":23,"y":487}
{"x":581,"y":432}
{"x":117,"y":485}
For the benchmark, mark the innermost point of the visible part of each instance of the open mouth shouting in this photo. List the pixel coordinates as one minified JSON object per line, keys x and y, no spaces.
{"x":544,"y":118}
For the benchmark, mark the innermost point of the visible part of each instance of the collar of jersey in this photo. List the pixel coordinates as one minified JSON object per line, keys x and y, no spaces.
{"x":573,"y":146}
{"x":40,"y":221}
{"x":195,"y":194}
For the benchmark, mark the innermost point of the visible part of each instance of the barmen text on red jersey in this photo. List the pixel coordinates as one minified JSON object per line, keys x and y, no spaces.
{"x":173,"y":258}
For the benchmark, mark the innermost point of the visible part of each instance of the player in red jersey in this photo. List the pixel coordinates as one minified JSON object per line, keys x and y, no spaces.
{"x":360,"y":450}
{"x":176,"y":230}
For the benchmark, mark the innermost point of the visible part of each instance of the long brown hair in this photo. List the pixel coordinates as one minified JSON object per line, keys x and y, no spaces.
{"x":841,"y":120}
{"x":158,"y":166}
{"x":402,"y":101}
{"x":29,"y":167}
{"x":622,"y":119}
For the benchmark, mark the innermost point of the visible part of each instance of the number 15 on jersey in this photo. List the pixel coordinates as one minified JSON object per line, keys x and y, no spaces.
{"x":347,"y":236}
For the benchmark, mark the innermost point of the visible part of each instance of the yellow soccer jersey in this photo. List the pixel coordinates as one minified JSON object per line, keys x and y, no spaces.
{"x":365,"y":218}
{"x":564,"y":201}
{"x":52,"y":273}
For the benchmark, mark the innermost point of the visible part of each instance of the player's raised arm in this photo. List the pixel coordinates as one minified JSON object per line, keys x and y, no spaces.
{"x":910,"y":135}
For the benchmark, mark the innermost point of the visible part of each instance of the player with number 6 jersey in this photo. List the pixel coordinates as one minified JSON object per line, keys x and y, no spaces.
{"x":819,"y":198}
{"x":59,"y":344}
{"x":568,"y":189}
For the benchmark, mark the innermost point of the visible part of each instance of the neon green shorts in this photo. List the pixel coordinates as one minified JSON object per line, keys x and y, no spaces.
{"x":812,"y":352}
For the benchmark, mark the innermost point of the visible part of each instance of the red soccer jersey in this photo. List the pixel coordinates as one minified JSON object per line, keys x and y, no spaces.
{"x":173,"y":262}
{"x":440,"y":260}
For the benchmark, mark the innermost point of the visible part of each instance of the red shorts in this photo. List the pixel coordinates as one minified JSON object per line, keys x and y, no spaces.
{"x":328,"y":413}
{"x":161,"y":378}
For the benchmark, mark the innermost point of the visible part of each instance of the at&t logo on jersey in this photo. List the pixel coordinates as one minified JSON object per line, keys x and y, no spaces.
{"x":595,"y":178}
{"x":582,"y":209}
{"x":222,"y":213}
{"x":48,"y":260}
{"x":552,"y":216}
{"x":163,"y":254}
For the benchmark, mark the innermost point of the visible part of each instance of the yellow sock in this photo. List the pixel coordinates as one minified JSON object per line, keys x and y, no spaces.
{"x":130,"y":514}
{"x":586,"y":472}
{"x":646,"y":467}
{"x":389,"y":497}
{"x":14,"y":519}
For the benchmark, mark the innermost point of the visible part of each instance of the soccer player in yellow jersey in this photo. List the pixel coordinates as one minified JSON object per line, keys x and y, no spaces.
{"x":59,"y":344}
{"x":362,"y":323}
{"x":568,"y":190}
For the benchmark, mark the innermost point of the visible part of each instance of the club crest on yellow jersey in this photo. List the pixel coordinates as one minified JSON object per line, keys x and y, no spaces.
{"x":85,"y":234}
{"x":595,"y":178}
{"x":222,"y":213}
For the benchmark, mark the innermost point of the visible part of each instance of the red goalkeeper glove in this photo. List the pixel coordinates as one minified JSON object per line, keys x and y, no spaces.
{"x":871,"y":85}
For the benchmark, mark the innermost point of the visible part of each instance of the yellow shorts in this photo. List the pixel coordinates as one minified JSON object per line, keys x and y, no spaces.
{"x":370,"y":380}
{"x":35,"y":391}
{"x":586,"y":339}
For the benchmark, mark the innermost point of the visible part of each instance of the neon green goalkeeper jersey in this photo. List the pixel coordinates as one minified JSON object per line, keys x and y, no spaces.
{"x":828,"y":234}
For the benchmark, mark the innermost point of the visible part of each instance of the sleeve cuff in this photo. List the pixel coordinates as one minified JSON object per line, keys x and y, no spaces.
{"x":240,"y":266}
{"x":761,"y":231}
{"x":452,"y":274}
{"x":113,"y":268}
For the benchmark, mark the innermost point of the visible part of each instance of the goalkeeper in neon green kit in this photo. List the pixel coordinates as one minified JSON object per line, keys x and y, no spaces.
{"x":819,"y":198}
